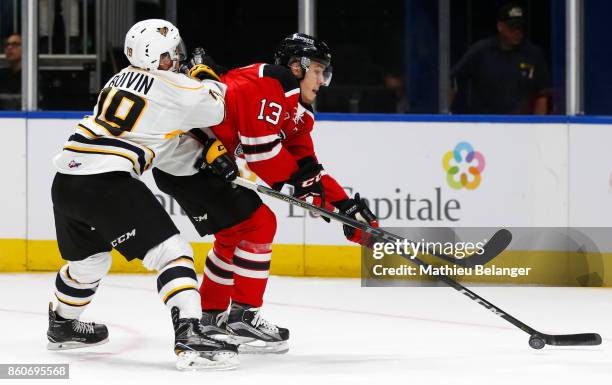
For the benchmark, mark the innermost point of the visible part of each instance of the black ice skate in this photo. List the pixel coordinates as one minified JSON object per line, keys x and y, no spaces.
{"x":72,"y":334}
{"x":253,"y":333}
{"x":214,"y":324}
{"x":195,"y":350}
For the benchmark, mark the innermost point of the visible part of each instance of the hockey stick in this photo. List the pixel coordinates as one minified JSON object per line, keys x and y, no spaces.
{"x":498,"y":242}
{"x":537,"y":340}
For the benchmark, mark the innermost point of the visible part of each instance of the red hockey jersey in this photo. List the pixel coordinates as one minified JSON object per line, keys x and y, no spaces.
{"x":266,"y":124}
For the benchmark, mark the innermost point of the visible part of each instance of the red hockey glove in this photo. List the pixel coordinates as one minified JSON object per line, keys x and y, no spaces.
{"x":357,"y":209}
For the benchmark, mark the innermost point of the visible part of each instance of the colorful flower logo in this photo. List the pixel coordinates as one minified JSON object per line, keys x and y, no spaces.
{"x":453,"y":159}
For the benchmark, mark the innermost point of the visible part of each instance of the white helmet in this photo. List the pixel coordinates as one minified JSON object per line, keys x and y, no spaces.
{"x":147,"y":40}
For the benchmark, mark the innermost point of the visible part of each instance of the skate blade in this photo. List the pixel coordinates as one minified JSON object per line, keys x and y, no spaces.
{"x":219,"y":337}
{"x":191,"y":360}
{"x":248,"y":345}
{"x":72,"y":345}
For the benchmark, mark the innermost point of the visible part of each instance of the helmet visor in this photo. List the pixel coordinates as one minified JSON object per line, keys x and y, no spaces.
{"x":305,"y":62}
{"x":327,"y":75}
{"x":179,"y":53}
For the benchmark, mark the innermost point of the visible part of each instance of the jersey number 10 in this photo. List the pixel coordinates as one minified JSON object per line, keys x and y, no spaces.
{"x":119,"y":110}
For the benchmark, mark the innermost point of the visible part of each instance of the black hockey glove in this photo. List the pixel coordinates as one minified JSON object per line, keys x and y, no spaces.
{"x":306,"y":182}
{"x":216,"y":157}
{"x":357,"y":209}
{"x":202,"y":66}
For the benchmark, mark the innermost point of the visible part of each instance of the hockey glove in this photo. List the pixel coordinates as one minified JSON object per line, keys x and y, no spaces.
{"x":307,"y":183}
{"x":203,"y":72}
{"x":357,"y":209}
{"x":307,"y":186}
{"x":202,"y":66}
{"x":216,"y":157}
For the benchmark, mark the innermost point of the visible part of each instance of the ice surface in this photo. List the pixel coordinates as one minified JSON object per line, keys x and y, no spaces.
{"x":341,"y":333}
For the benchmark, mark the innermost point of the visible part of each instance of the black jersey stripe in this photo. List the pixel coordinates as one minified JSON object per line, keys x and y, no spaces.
{"x":110,"y":142}
{"x":283,"y":75}
{"x":61,"y":286}
{"x":175,"y":273}
{"x":92,"y":151}
{"x":251,"y":265}
{"x":251,"y":149}
{"x":218,"y":271}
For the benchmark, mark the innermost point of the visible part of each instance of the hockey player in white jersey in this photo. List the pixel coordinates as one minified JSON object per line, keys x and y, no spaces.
{"x":99,"y":202}
{"x":142,"y":110}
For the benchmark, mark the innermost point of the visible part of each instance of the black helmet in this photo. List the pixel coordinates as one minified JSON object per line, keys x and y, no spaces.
{"x":302,"y":45}
{"x":303,"y":48}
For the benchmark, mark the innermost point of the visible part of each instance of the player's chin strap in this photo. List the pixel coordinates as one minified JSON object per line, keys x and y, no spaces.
{"x":497,"y":243}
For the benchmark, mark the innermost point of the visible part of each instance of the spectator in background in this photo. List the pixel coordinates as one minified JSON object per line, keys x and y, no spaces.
{"x":503,"y":74}
{"x":395,"y":81}
{"x":10,"y":77}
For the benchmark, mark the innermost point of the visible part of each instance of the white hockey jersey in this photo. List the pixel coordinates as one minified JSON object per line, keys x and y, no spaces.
{"x":137,"y":122}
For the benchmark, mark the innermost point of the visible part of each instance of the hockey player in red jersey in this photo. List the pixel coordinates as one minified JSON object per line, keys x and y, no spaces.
{"x":268,"y":122}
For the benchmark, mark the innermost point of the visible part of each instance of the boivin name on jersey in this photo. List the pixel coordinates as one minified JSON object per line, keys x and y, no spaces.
{"x":137,"y":81}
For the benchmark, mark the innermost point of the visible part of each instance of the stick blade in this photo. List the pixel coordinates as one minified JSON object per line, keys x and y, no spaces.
{"x":498,"y":243}
{"x":582,"y":339}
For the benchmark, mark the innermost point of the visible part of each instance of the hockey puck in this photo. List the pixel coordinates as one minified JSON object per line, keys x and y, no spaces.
{"x":536,"y":342}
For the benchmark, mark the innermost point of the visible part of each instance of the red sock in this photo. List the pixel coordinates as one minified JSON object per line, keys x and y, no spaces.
{"x":216,"y":288}
{"x":239,"y":264}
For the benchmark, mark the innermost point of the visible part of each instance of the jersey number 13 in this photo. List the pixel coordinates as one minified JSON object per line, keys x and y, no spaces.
{"x":272,"y":113}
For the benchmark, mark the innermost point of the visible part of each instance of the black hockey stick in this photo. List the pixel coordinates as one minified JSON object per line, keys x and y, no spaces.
{"x":537,"y":340}
{"x":498,"y":242}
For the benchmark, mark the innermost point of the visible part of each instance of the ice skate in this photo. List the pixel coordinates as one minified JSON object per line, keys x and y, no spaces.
{"x":253,"y":333}
{"x":214,"y":324}
{"x":195,"y":350}
{"x":66,"y":334}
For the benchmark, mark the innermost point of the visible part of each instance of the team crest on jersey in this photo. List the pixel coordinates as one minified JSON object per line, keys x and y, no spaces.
{"x":298,"y":114}
{"x":163,"y":31}
{"x":73,"y":164}
{"x":238,"y":151}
